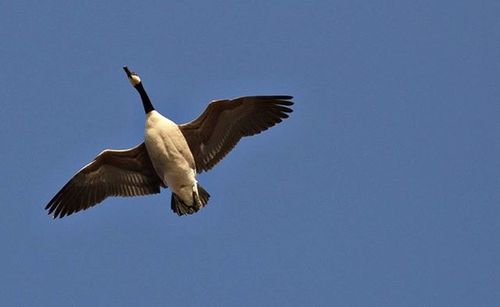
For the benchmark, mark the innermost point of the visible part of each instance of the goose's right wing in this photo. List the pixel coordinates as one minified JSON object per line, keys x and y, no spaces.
{"x":112,"y":173}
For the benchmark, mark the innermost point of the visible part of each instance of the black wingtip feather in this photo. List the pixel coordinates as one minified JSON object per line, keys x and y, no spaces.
{"x":275,"y":97}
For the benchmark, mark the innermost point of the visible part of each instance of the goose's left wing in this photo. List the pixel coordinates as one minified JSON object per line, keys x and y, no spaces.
{"x":224,"y":122}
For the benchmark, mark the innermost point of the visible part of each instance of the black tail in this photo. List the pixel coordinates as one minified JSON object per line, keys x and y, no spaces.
{"x":204,"y":196}
{"x":179,"y":207}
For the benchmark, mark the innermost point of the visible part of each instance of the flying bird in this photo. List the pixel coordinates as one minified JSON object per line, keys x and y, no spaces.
{"x":171,"y":154}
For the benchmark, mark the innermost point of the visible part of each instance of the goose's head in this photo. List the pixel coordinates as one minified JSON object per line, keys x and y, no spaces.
{"x":132,"y":77}
{"x":135,"y":80}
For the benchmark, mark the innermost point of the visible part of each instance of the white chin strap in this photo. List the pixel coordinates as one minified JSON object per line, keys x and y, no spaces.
{"x":134,"y":80}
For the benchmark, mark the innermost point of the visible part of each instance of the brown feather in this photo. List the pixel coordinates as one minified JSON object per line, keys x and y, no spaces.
{"x":224,"y":122}
{"x":112,"y":173}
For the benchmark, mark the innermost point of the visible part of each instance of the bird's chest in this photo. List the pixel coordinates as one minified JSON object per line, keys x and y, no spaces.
{"x":168,"y":150}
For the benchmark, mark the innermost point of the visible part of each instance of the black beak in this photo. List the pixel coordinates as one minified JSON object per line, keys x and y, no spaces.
{"x":127,"y":71}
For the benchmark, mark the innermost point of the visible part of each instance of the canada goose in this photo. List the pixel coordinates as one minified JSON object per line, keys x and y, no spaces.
{"x":171,"y":155}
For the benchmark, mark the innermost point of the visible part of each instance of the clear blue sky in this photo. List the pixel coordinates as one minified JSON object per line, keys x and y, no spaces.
{"x":383,"y":189}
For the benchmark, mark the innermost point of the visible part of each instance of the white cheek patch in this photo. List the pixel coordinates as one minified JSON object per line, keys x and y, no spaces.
{"x":134,"y":79}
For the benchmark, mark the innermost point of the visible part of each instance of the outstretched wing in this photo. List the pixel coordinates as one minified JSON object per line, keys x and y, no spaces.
{"x":112,"y":173}
{"x":224,"y":122}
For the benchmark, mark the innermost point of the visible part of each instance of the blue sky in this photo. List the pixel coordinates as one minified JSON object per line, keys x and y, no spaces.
{"x":381,"y":190}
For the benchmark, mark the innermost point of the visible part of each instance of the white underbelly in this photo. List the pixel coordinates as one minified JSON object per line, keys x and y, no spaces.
{"x":170,"y":155}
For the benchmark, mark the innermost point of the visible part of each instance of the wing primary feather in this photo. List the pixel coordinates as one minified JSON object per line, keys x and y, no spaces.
{"x":112,"y":173}
{"x":224,"y":122}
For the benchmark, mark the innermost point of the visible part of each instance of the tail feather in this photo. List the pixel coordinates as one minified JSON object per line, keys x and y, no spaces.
{"x":180,"y":207}
{"x":204,"y":196}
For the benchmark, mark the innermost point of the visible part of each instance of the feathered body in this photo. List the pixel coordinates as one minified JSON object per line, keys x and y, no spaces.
{"x":171,"y":155}
{"x":169,"y":152}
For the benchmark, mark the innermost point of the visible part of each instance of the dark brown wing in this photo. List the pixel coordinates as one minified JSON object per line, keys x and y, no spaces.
{"x":212,"y":135}
{"x":112,"y":173}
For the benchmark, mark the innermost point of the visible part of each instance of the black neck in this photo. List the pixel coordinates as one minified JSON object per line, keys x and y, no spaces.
{"x":148,"y":106}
